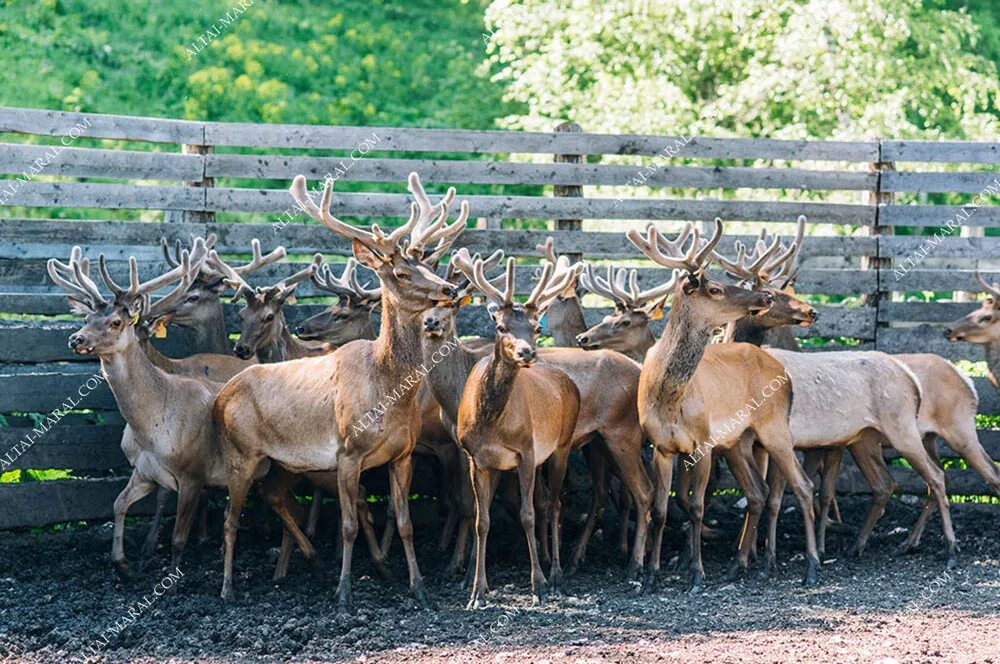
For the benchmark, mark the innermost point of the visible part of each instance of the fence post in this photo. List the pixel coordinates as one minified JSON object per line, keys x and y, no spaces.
{"x":194,"y":216}
{"x":568,"y":191}
{"x":881,"y":264}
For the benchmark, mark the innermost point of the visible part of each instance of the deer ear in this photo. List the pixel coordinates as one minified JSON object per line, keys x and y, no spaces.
{"x":691,"y":283}
{"x":366,"y":256}
{"x":77,"y":307}
{"x":492,"y":308}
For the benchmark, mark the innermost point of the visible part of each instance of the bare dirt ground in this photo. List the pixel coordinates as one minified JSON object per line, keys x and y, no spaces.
{"x":58,"y":594}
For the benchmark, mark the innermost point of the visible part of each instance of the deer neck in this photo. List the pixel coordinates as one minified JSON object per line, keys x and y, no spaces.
{"x":155,"y":356}
{"x":642,"y":346}
{"x":566,"y":321}
{"x":138,"y":384}
{"x":748,"y":330}
{"x":449,"y":375}
{"x":398,"y":348}
{"x":210,"y":337}
{"x":676,"y":355}
{"x":992,"y":351}
{"x":497,"y":386}
{"x":286,"y":347}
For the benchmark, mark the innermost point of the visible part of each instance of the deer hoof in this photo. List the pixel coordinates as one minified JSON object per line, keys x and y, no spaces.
{"x":344,"y":600}
{"x":122,"y":569}
{"x":419,"y":591}
{"x":227,"y":592}
{"x":811,"y":579}
{"x":650,"y":582}
{"x":697,"y":583}
{"x":477,"y":601}
{"x":735,"y":571}
{"x":632,"y":572}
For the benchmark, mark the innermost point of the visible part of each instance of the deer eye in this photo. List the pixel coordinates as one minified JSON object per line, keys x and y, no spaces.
{"x":986,"y":319}
{"x":269,"y":318}
{"x":402,"y":276}
{"x":115,"y":324}
{"x":501,"y":328}
{"x":192,"y":298}
{"x":714,"y":290}
{"x":537,"y":328}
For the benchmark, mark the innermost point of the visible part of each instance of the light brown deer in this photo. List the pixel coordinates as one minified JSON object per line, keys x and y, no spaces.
{"x":170,"y":439}
{"x":516,"y":414}
{"x":982,"y":327}
{"x":350,"y":318}
{"x":355,"y":408}
{"x":692,"y":393}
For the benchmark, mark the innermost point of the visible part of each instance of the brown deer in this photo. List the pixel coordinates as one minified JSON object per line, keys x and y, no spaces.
{"x":692,"y":393}
{"x":355,"y":408}
{"x":350,"y":317}
{"x":516,"y":414}
{"x":982,"y":327}
{"x":170,"y":439}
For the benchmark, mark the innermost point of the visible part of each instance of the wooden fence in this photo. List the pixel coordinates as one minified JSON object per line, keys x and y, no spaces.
{"x":202,"y":175}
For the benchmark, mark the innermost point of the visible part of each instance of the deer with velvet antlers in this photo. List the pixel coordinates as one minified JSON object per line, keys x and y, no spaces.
{"x":357,"y":407}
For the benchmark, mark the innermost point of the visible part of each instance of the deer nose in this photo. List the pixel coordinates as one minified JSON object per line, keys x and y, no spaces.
{"x":76,"y":340}
{"x":242,"y":351}
{"x":299,"y":330}
{"x":768,"y":298}
{"x":431,"y":324}
{"x":526,"y":353}
{"x":582,"y":339}
{"x":947,"y":333}
{"x":450,"y":291}
{"x":813,"y":314}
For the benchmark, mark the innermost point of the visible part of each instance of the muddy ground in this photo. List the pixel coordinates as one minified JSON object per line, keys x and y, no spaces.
{"x":58,"y":594}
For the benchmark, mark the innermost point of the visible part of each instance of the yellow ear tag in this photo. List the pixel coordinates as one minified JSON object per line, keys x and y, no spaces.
{"x":790,"y":291}
{"x":465,"y":300}
{"x":160,"y":330}
{"x":656,"y":314}
{"x":135,"y":319}
{"x":290,"y":300}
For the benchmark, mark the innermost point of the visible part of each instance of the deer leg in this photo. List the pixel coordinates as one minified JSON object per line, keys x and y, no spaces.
{"x":775,"y":493}
{"x":702,"y":474}
{"x":400,"y":474}
{"x":241,"y":472}
{"x":188,"y":495}
{"x":913,"y":541}
{"x":153,"y":536}
{"x":960,"y":435}
{"x":907,"y":441}
{"x":543,"y":507}
{"x":779,"y":442}
{"x":761,"y":462}
{"x":368,"y":530}
{"x":663,"y":470}
{"x":740,"y":464}
{"x":203,"y":518}
{"x":598,"y":466}
{"x":625,"y":450}
{"x":348,"y":488}
{"x":557,"y":475}
{"x":624,"y":504}
{"x":313,"y":518}
{"x":390,"y":529}
{"x":829,"y":472}
{"x":466,"y":503}
{"x":136,"y":489}
{"x":483,"y":485}
{"x":449,"y":494}
{"x":526,"y":486}
{"x":867,"y":453}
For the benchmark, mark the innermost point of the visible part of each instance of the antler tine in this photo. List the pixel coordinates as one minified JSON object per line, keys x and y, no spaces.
{"x":133,"y":277}
{"x":187,"y":273}
{"x":232,"y":278}
{"x":322,"y":213}
{"x":616,"y":282}
{"x":657,"y":292}
{"x":563,"y":274}
{"x":547,"y":249}
{"x":258,"y":261}
{"x":787,"y":262}
{"x":364,"y":293}
{"x":993,"y":290}
{"x":543,"y":281}
{"x":593,"y":282}
{"x":196,"y":259}
{"x":325,"y":280}
{"x":704,"y":254}
{"x":290,"y":282}
{"x":652,"y":246}
{"x":66,"y":276}
{"x":165,"y":247}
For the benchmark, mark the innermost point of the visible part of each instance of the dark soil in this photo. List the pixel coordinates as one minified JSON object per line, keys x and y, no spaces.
{"x":58,"y":593}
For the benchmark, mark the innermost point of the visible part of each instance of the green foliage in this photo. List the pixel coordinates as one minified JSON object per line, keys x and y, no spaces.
{"x":838,"y":69}
{"x":353,"y":62}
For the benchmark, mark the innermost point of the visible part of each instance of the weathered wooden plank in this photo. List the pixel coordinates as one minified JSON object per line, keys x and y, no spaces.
{"x":37,"y":504}
{"x":924,"y":312}
{"x":477,"y":141}
{"x":42,"y":388}
{"x":538,"y":207}
{"x":80,"y":447}
{"x":898,"y":247}
{"x":276,"y":167}
{"x":97,"y":125}
{"x":962,"y":183}
{"x":107,"y":196}
{"x":939,"y":215}
{"x":90,"y":162}
{"x":942,"y":151}
{"x":37,"y":238}
{"x":33,"y":341}
{"x":925,"y":339}
{"x":932,"y":280}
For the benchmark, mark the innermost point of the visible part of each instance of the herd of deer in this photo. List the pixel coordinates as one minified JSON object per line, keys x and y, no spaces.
{"x":287,"y":407}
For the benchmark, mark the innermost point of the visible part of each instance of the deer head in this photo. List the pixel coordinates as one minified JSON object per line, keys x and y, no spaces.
{"x":439,"y":319}
{"x":399,"y":258}
{"x":517,"y":325}
{"x":981,"y":326}
{"x":200,"y":305}
{"x":628,"y":327}
{"x":706,"y":300}
{"x":350,"y":317}
{"x":262,"y":318}
{"x":112,"y":325}
{"x":770,"y":267}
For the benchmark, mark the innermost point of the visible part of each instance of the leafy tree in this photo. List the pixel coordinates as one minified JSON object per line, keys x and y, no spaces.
{"x":836,"y":69}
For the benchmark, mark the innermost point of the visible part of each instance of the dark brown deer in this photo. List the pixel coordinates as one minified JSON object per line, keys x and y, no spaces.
{"x":355,"y":408}
{"x":515,"y":414}
{"x":170,"y":439}
{"x":350,"y":317}
{"x":690,"y":393}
